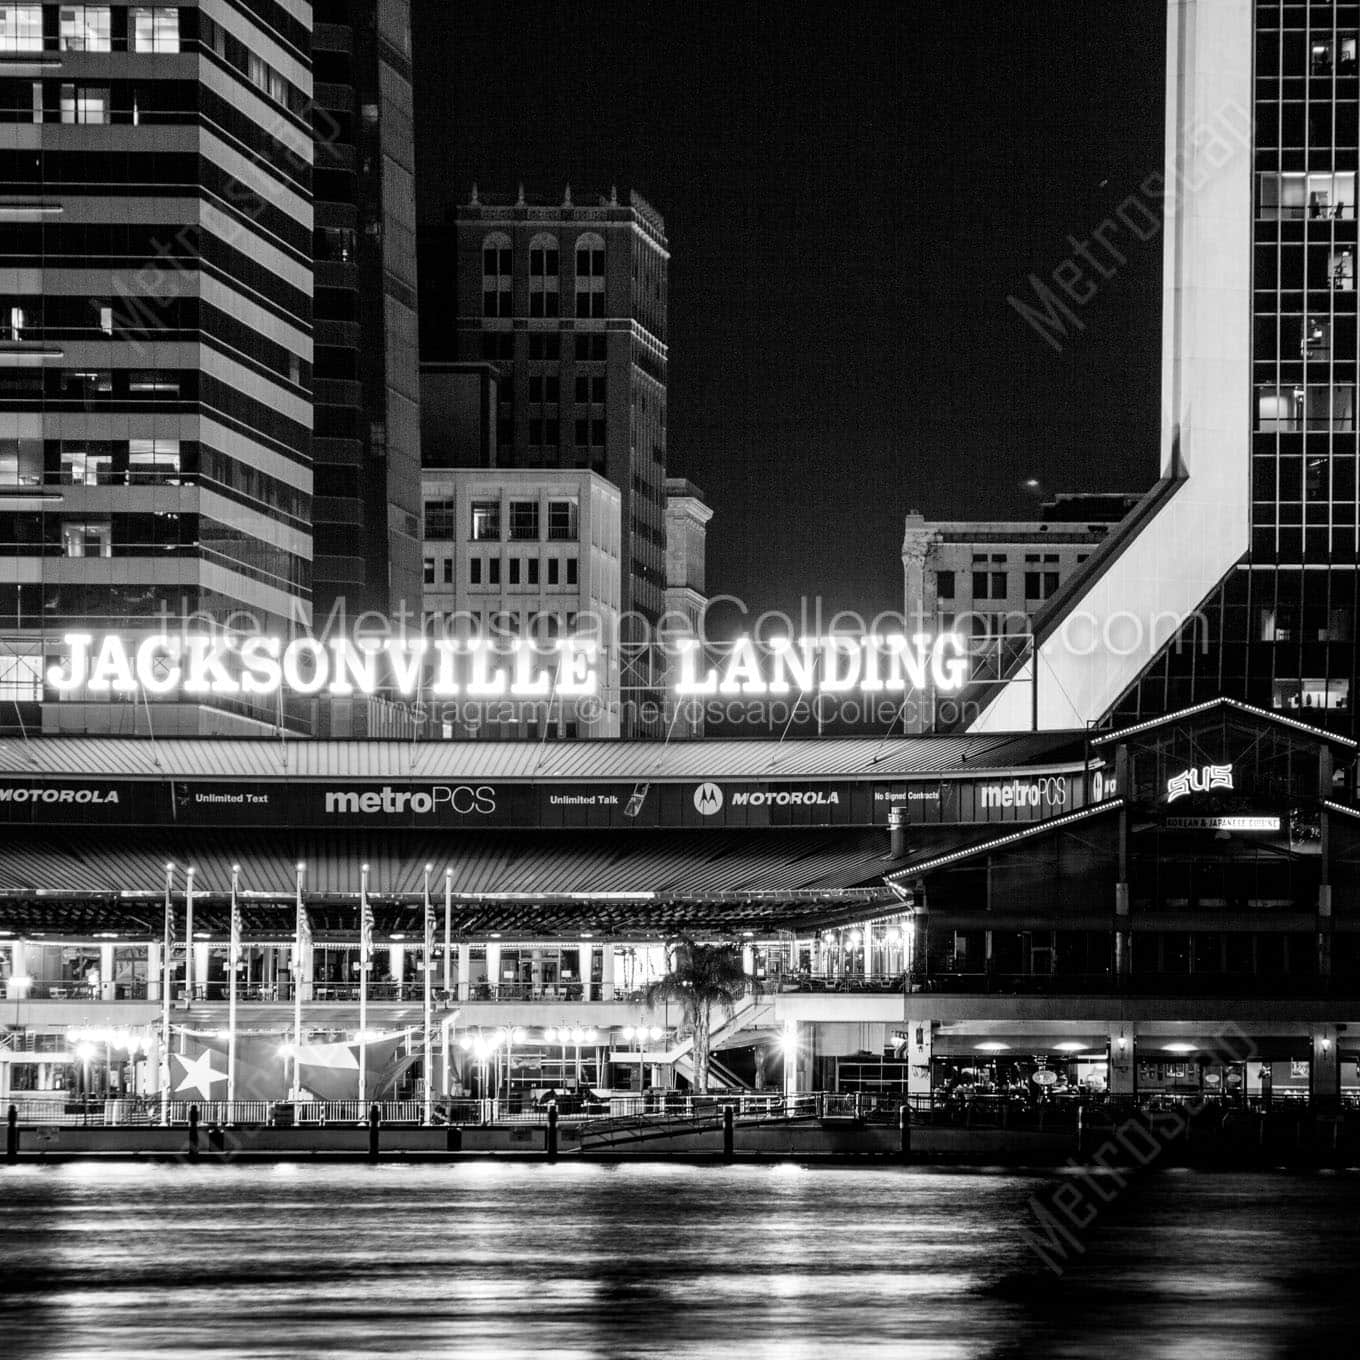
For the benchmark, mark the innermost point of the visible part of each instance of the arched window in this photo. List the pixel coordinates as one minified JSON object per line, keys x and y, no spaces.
{"x":590,"y":275}
{"x":496,"y":294}
{"x":543,"y":276}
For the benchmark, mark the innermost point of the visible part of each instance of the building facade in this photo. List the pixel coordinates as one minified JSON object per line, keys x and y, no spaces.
{"x":524,"y":554}
{"x":156,"y":356}
{"x":992,"y":576}
{"x":1238,"y":574}
{"x":568,"y":300}
{"x":367,"y":385}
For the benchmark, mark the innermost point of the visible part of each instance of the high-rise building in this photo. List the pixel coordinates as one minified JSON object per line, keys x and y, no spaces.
{"x":1238,"y":574}
{"x":156,"y":350}
{"x":367,"y":382}
{"x":568,"y":301}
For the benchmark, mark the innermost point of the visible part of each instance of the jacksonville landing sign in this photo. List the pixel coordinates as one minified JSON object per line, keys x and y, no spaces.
{"x":196,"y":665}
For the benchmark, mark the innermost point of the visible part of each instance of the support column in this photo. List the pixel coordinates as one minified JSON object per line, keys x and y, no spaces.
{"x":153,"y":971}
{"x":920,"y":935}
{"x":493,"y":968}
{"x":306,"y":974}
{"x":920,"y":1044}
{"x":200,"y":968}
{"x":792,"y":1050}
{"x":396,"y":963}
{"x":607,"y":973}
{"x":107,"y":990}
{"x":1121,"y":1062}
{"x":748,"y":960}
{"x":1123,"y":937}
{"x":1326,"y":1069}
{"x":1324,"y":930}
{"x":464,"y":970}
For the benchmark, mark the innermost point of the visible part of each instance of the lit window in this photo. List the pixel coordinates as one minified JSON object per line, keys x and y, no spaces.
{"x":154,"y":28}
{"x":86,"y":28}
{"x":21,"y":462}
{"x":486,"y":521}
{"x":84,"y":104}
{"x":153,"y":462}
{"x":86,"y":538}
{"x":21,"y":28}
{"x":16,"y":323}
{"x":429,"y":571}
{"x":81,"y":466}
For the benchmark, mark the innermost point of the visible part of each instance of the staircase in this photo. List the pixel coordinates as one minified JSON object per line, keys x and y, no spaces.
{"x":733,"y":1032}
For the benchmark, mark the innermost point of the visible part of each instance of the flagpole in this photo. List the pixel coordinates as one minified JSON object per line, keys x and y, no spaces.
{"x":165,"y":994}
{"x":448,"y":936}
{"x":297,"y":985}
{"x":365,"y":950}
{"x":428,"y":1056}
{"x":233,"y":963}
{"x":188,"y":937}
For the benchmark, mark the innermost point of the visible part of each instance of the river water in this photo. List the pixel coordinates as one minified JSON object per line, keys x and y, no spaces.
{"x":487,"y":1259}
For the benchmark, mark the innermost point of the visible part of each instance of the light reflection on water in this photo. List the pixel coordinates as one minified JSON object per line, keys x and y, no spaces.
{"x":487,"y":1259}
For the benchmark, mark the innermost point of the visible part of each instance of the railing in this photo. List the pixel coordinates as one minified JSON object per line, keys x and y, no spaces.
{"x":843,"y":982}
{"x":68,"y":989}
{"x":662,"y":1108}
{"x":1205,"y":985}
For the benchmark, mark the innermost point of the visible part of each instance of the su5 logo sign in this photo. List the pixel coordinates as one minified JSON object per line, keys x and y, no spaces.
{"x":708,"y":799}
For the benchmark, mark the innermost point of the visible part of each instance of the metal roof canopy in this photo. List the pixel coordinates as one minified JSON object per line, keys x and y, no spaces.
{"x":922,"y":757}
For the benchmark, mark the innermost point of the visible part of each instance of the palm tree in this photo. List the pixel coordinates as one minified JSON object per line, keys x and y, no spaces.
{"x":701,"y":976}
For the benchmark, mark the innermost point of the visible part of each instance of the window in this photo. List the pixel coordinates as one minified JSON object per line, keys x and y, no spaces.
{"x":554,"y":570}
{"x":83,"y":468}
{"x":153,"y":461}
{"x":543,"y":276}
{"x":989,"y":585}
{"x":84,"y":104}
{"x":944,"y":584}
{"x":21,"y":462}
{"x":571,"y":571}
{"x":486,"y":521}
{"x":21,"y":678}
{"x":429,"y":571}
{"x":17,"y":321}
{"x":21,"y":28}
{"x":543,"y":387}
{"x":439,"y":520}
{"x":448,"y":571}
{"x":590,"y":276}
{"x":474,"y":571}
{"x":514,"y":571}
{"x":153,"y":28}
{"x":85,"y":28}
{"x":562,"y":521}
{"x":590,"y":348}
{"x":493,"y":571}
{"x":496,"y":276}
{"x":86,"y":538}
{"x":153,"y":382}
{"x":523,"y":519}
{"x":545,"y":346}
{"x":531,"y":570}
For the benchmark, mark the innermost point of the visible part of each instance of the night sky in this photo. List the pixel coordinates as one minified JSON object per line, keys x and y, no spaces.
{"x":851,"y":192}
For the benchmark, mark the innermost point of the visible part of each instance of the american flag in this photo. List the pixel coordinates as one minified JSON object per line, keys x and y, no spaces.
{"x":365,"y":930}
{"x":237,"y":929}
{"x":304,"y":929}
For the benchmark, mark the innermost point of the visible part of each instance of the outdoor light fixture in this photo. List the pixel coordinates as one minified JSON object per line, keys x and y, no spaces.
{"x":1069,"y":1046}
{"x":1179,"y":1048}
{"x":991,"y":1047}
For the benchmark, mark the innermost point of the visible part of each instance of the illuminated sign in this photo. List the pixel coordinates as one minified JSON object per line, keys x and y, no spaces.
{"x":194,"y":664}
{"x":1223,"y":823}
{"x":1199,"y":781}
{"x":1025,"y":793}
{"x":168,"y":665}
{"x":835,"y":664}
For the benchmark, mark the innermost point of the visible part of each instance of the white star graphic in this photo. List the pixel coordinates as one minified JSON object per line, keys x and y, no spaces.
{"x":199,"y":1073}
